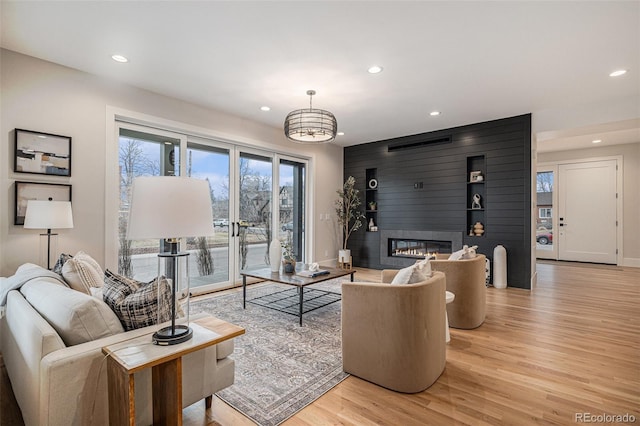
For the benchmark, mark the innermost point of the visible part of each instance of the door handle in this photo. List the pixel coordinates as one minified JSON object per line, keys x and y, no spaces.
{"x":233,"y":229}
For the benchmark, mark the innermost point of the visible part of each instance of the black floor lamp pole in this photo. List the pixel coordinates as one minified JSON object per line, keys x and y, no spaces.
{"x":49,"y":234}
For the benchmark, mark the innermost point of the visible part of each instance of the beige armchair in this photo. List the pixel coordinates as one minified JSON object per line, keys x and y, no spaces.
{"x":465,"y":279}
{"x":394,"y":335}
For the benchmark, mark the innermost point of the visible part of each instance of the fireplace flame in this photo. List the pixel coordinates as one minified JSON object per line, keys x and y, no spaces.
{"x":417,"y":253}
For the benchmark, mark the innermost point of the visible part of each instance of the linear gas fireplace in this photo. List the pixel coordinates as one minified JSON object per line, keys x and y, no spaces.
{"x":416,"y":249}
{"x":402,"y":248}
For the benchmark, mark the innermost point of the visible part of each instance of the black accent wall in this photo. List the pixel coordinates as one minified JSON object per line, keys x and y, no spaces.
{"x":423,"y":185}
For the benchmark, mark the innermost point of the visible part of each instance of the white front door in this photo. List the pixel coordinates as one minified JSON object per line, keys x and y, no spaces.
{"x":587,"y":212}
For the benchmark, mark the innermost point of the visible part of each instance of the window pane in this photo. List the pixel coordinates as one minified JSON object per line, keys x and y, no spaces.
{"x":292,"y":208}
{"x":544,"y":221}
{"x":255,"y":182}
{"x":141,"y":154}
{"x":209,"y":259}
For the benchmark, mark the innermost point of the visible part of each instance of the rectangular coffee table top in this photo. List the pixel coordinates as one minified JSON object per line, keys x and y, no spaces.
{"x":295,"y":279}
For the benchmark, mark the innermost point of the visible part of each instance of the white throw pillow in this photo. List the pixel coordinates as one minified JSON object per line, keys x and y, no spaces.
{"x":82,"y":272}
{"x":465,"y":253}
{"x":410,"y":275}
{"x":424,"y":266}
{"x":76,"y":317}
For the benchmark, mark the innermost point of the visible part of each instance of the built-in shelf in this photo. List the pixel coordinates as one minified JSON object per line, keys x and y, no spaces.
{"x":371,"y":196}
{"x":476,"y":166}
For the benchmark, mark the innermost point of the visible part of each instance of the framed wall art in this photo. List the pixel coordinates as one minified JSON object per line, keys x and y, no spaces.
{"x":42,"y":153}
{"x":26,"y":191}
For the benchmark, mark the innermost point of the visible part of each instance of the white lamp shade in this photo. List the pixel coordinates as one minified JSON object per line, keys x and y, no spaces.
{"x":169,"y":207}
{"x":43,"y":214}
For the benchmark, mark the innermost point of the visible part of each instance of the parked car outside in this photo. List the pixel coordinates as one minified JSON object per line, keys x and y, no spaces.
{"x":221,"y":222}
{"x":544,"y":237}
{"x":287,"y":226}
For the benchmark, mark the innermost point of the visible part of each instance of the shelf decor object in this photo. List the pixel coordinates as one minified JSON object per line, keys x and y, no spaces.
{"x":310,"y":125}
{"x":170,"y":208}
{"x":48,"y":214}
{"x":42,"y":153}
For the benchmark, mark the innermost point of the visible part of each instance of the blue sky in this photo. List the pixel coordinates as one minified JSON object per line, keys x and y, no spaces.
{"x":215,"y":167}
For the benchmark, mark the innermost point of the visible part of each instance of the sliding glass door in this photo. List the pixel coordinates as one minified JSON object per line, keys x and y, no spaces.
{"x":256,"y":196}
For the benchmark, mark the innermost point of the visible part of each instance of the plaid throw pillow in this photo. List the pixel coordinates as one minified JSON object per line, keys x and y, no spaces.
{"x":135,"y":303}
{"x":57,"y":268}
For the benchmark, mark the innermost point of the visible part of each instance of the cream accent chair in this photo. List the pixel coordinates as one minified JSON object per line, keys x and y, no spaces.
{"x":394,"y":335}
{"x":466,"y":279}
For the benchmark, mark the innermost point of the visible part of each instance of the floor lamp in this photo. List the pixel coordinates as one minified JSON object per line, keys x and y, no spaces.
{"x":170,"y":208}
{"x":48,"y":214}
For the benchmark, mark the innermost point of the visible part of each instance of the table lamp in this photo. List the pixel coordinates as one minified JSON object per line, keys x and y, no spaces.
{"x":48,"y":214}
{"x":170,"y":208}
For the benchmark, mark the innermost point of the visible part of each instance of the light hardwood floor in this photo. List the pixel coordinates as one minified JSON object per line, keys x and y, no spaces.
{"x":570,"y":346}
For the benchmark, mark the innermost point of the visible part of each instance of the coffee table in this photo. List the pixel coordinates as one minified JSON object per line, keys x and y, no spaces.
{"x":291,"y":301}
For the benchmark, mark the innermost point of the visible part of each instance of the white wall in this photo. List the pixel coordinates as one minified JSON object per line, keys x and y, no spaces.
{"x":631,"y":189}
{"x":42,"y":96}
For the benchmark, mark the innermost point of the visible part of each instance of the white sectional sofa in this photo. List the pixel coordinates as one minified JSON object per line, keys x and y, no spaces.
{"x":57,"y":380}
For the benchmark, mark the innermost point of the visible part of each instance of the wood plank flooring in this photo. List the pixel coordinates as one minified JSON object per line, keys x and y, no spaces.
{"x":570,"y":346}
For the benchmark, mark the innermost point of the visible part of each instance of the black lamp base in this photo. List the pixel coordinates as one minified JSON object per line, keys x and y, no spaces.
{"x":168,"y":336}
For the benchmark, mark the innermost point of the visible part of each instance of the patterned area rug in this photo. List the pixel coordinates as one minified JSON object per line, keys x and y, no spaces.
{"x":281,"y":367}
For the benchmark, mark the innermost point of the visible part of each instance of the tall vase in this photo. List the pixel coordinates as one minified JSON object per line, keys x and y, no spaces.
{"x":275,"y":254}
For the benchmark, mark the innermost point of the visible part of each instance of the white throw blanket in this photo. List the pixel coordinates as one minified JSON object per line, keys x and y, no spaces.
{"x":25,"y":272}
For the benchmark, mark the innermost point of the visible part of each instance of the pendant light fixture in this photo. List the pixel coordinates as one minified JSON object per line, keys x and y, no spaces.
{"x":310,"y":125}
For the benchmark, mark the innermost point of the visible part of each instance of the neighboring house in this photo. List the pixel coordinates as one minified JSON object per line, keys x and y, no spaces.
{"x":545,"y":210}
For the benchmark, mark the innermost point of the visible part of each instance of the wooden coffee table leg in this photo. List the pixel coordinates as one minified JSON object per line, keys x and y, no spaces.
{"x":301,"y":291}
{"x":244,"y":292}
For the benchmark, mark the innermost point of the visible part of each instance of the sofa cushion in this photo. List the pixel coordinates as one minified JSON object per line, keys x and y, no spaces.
{"x":82,"y":272}
{"x":136,"y":303}
{"x":77,"y":317}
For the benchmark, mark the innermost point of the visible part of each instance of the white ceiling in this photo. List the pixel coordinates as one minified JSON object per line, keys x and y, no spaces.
{"x":474,"y":61}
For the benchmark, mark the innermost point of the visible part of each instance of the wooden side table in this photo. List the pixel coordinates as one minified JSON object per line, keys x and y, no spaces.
{"x":126,"y":358}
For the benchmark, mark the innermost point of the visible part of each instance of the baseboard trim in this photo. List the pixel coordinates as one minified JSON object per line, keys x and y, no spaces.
{"x":630,"y":261}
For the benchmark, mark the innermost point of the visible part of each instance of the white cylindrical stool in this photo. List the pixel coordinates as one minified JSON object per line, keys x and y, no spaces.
{"x":500,"y":267}
{"x":449,"y":297}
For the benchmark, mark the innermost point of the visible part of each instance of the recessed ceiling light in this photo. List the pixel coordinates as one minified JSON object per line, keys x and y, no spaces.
{"x":340,"y":133}
{"x":596,"y":141}
{"x":119,"y":58}
{"x":375,"y":69}
{"x":434,"y":113}
{"x":265,"y":108}
{"x":618,"y":73}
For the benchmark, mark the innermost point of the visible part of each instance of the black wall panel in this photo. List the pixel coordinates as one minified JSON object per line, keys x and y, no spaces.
{"x":441,"y":203}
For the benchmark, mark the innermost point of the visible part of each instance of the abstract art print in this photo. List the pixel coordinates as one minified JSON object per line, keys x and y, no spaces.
{"x":42,"y":153}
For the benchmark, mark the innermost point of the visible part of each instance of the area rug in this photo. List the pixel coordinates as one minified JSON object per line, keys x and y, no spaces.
{"x":281,"y":367}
